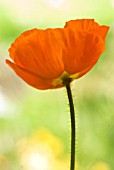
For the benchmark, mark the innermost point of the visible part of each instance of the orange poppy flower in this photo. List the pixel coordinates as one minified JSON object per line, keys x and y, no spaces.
{"x":44,"y":58}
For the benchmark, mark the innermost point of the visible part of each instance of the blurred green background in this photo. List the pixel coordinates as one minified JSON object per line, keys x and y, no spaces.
{"x":34,"y":124}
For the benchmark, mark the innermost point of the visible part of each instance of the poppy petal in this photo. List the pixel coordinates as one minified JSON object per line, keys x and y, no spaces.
{"x":82,"y":51}
{"x":88,"y":25}
{"x":81,"y":24}
{"x":42,"y":53}
{"x":103,"y":31}
{"x":18,"y":41}
{"x":31,"y":79}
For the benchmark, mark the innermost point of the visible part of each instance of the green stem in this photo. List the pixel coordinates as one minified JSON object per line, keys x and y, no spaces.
{"x":72,"y":114}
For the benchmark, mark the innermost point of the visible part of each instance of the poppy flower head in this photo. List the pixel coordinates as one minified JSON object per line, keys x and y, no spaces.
{"x":47,"y":59}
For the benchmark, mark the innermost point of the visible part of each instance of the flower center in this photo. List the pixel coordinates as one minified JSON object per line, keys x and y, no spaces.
{"x":64,"y":79}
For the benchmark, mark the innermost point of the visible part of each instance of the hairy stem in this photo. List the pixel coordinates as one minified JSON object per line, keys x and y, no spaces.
{"x":72,"y":114}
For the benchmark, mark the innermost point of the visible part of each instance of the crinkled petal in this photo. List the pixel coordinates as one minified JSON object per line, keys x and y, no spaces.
{"x":41,"y":52}
{"x":103,"y":30}
{"x":88,"y":25}
{"x":30,"y":78}
{"x":18,"y":41}
{"x":81,"y":24}
{"x":82,"y":50}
